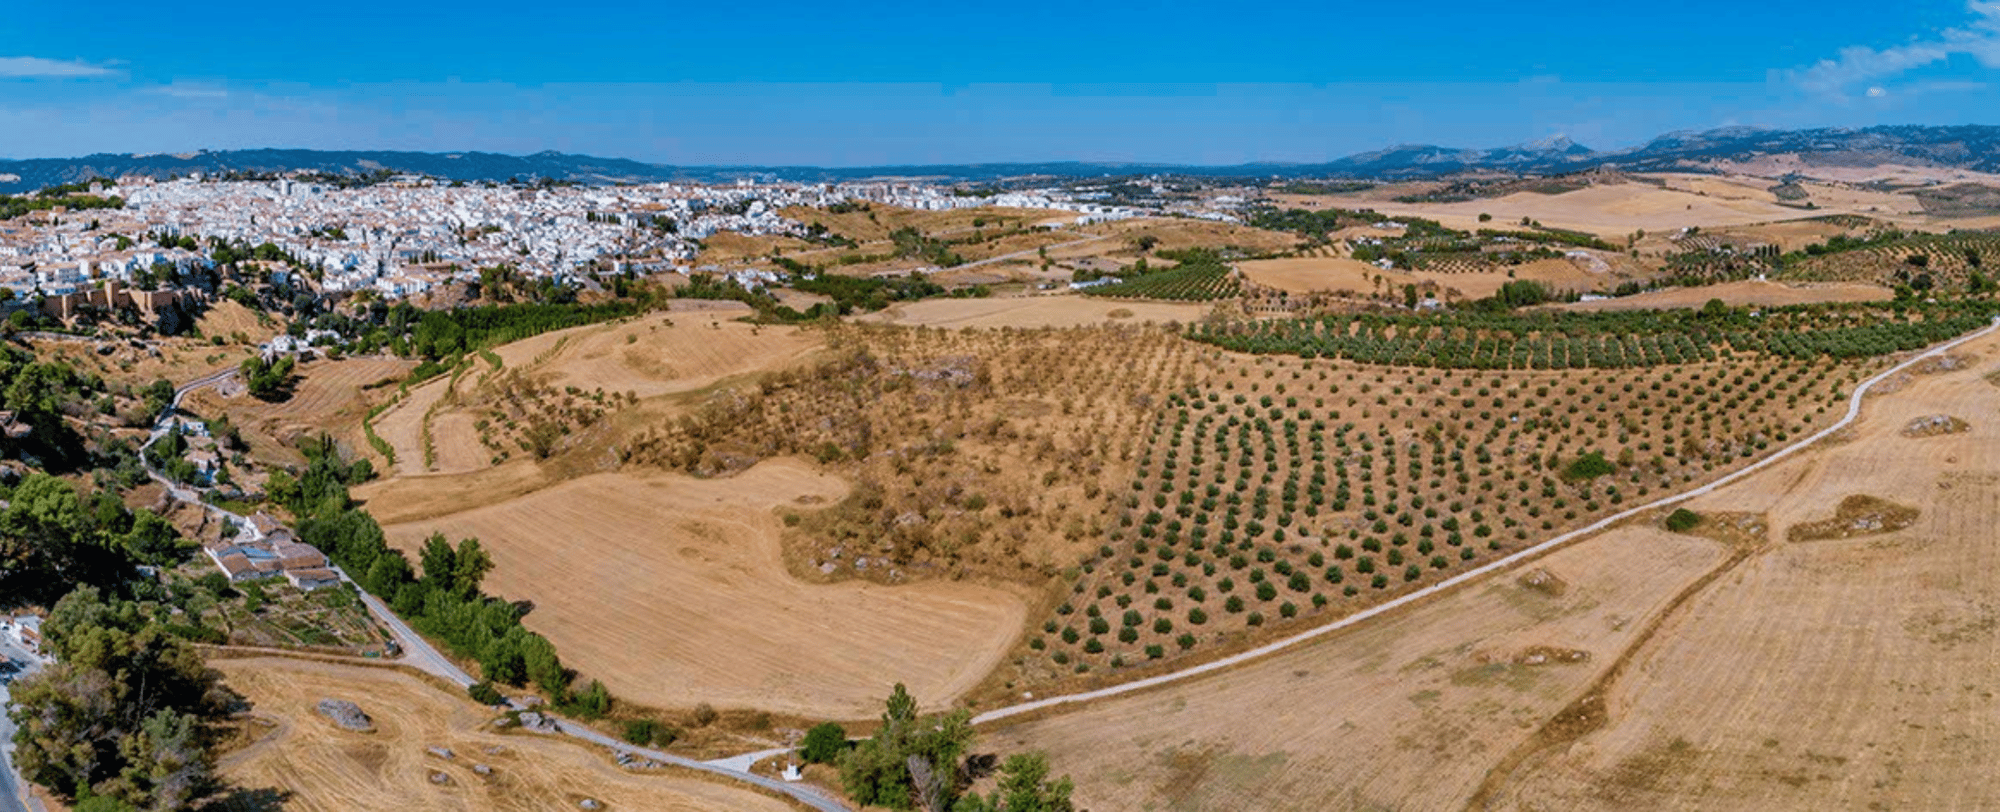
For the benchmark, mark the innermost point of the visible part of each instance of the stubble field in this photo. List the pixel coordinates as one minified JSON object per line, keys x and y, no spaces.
{"x":297,"y":755}
{"x":1849,"y":671}
{"x":674,"y":591}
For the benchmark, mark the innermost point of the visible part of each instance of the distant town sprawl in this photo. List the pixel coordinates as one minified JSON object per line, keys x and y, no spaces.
{"x":136,"y":236}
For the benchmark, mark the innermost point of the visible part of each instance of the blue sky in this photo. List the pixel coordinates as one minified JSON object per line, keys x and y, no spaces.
{"x":848,"y":84}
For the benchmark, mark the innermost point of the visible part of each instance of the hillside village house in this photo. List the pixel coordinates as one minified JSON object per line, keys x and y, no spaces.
{"x":265,"y":549}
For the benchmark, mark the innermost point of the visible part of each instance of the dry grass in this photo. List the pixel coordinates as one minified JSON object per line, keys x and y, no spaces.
{"x":1031,"y":312}
{"x":1611,"y":211}
{"x":314,"y":765}
{"x":329,"y":398}
{"x":674,"y":591}
{"x":1404,"y":712}
{"x":231,"y":320}
{"x":1885,"y":642}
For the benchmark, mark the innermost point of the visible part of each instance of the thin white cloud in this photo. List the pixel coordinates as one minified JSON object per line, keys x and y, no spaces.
{"x":35,"y":67}
{"x":1863,"y":66}
{"x":186,"y":91}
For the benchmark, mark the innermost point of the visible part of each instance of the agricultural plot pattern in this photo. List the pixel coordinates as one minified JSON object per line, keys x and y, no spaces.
{"x":1944,"y":261}
{"x":1296,"y":489}
{"x":1600,"y":341}
{"x":1191,"y":284}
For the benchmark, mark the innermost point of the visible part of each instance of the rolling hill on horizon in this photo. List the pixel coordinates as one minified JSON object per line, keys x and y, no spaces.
{"x":1970,"y":147}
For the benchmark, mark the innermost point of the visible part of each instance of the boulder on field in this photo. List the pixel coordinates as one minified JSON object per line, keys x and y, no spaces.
{"x":346,"y":714}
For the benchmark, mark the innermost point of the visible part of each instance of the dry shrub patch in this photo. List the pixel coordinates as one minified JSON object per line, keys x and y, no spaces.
{"x":1858,"y":515}
{"x":1935,"y":425}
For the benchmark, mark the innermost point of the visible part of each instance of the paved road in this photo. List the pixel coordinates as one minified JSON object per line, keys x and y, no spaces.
{"x":11,"y":785}
{"x":1853,"y":412}
{"x":418,"y":653}
{"x":808,"y":795}
{"x":742,"y":763}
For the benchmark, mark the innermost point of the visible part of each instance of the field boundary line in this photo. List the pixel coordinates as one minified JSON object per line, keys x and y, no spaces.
{"x":1853,"y":411}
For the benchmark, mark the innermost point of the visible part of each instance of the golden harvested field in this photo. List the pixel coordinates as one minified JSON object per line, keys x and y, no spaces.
{"x":1177,"y":233}
{"x":1736,"y":187}
{"x":657,"y":354}
{"x":1766,"y":294}
{"x":228,"y":319}
{"x":1406,"y":712}
{"x":1337,"y":274}
{"x":1853,"y":673}
{"x":1611,"y":211}
{"x":674,"y":591}
{"x":318,"y":766}
{"x":328,"y":398}
{"x":660,"y":354}
{"x":402,"y":425}
{"x":1032,"y":312}
{"x":873,"y":223}
{"x":1322,"y":275}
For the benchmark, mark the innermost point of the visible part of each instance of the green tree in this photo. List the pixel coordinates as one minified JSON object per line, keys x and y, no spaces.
{"x":125,"y":711}
{"x":1683,"y":520}
{"x":823,"y":744}
{"x":911,"y":760}
{"x":1024,"y":787}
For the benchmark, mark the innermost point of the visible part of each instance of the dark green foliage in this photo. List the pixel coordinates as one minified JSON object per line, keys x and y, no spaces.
{"x":1589,"y":466}
{"x":125,"y":713}
{"x":911,"y":761}
{"x":645,"y":732}
{"x":12,"y":207}
{"x":823,"y":744}
{"x":1201,"y":275}
{"x":1683,"y":520}
{"x":269,"y":380}
{"x":1024,"y":787}
{"x":443,"y":333}
{"x":1475,"y":339}
{"x":485,"y":694}
{"x":52,"y":539}
{"x":1522,"y":293}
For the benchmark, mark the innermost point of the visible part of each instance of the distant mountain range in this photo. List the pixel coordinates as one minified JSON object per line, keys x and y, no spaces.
{"x":1975,"y":147}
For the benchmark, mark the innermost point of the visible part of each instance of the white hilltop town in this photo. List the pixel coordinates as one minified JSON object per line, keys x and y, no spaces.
{"x":408,"y":234}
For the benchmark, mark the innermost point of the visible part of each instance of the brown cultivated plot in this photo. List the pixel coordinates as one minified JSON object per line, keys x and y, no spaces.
{"x":673,"y":591}
{"x":329,"y":398}
{"x":1406,"y":712}
{"x":659,"y":353}
{"x":1851,"y":672}
{"x":298,"y":754}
